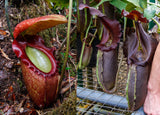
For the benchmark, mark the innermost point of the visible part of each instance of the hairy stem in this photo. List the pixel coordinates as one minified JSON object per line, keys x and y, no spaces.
{"x":124,"y":31}
{"x":68,"y":43}
{"x":85,"y":12}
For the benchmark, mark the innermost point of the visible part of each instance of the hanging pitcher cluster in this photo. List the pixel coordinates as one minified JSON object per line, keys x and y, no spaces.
{"x":139,"y":49}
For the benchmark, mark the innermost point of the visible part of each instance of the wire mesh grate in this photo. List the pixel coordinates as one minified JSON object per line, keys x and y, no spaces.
{"x":96,"y":102}
{"x":91,"y":100}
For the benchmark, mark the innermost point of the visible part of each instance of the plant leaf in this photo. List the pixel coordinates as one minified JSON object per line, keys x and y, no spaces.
{"x":130,"y":7}
{"x":150,"y":11}
{"x":143,"y":3}
{"x":58,"y":3}
{"x":101,"y":2}
{"x":135,"y":2}
{"x":35,"y":25}
{"x":119,"y":4}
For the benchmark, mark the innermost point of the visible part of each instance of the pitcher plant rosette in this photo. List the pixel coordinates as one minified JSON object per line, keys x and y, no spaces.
{"x":39,"y":66}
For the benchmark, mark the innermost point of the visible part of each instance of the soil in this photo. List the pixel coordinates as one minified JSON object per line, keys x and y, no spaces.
{"x":14,"y":97}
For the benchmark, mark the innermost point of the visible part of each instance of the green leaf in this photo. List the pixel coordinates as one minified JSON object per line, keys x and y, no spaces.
{"x":69,"y":56}
{"x":101,"y":2}
{"x":39,"y":59}
{"x":68,"y":68}
{"x":151,"y":25}
{"x":158,"y":15}
{"x":58,"y":3}
{"x":143,"y":3}
{"x":150,"y":11}
{"x":135,"y":2}
{"x":130,"y":7}
{"x":119,"y":4}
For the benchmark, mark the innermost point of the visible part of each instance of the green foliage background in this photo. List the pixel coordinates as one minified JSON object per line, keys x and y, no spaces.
{"x":58,"y":3}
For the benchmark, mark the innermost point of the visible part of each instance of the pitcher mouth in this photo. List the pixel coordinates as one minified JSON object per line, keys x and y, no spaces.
{"x":35,"y":42}
{"x":26,"y":40}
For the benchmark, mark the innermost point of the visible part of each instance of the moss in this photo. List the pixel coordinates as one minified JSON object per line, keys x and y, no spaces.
{"x":68,"y":107}
{"x":47,"y":36}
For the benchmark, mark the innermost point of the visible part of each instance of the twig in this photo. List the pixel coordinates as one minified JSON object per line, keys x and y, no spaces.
{"x":124,"y":31}
{"x":57,"y":38}
{"x":69,"y":76}
{"x":66,"y":88}
{"x":65,"y":82}
{"x":73,"y":62}
{"x":4,"y":54}
{"x":66,"y":37}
